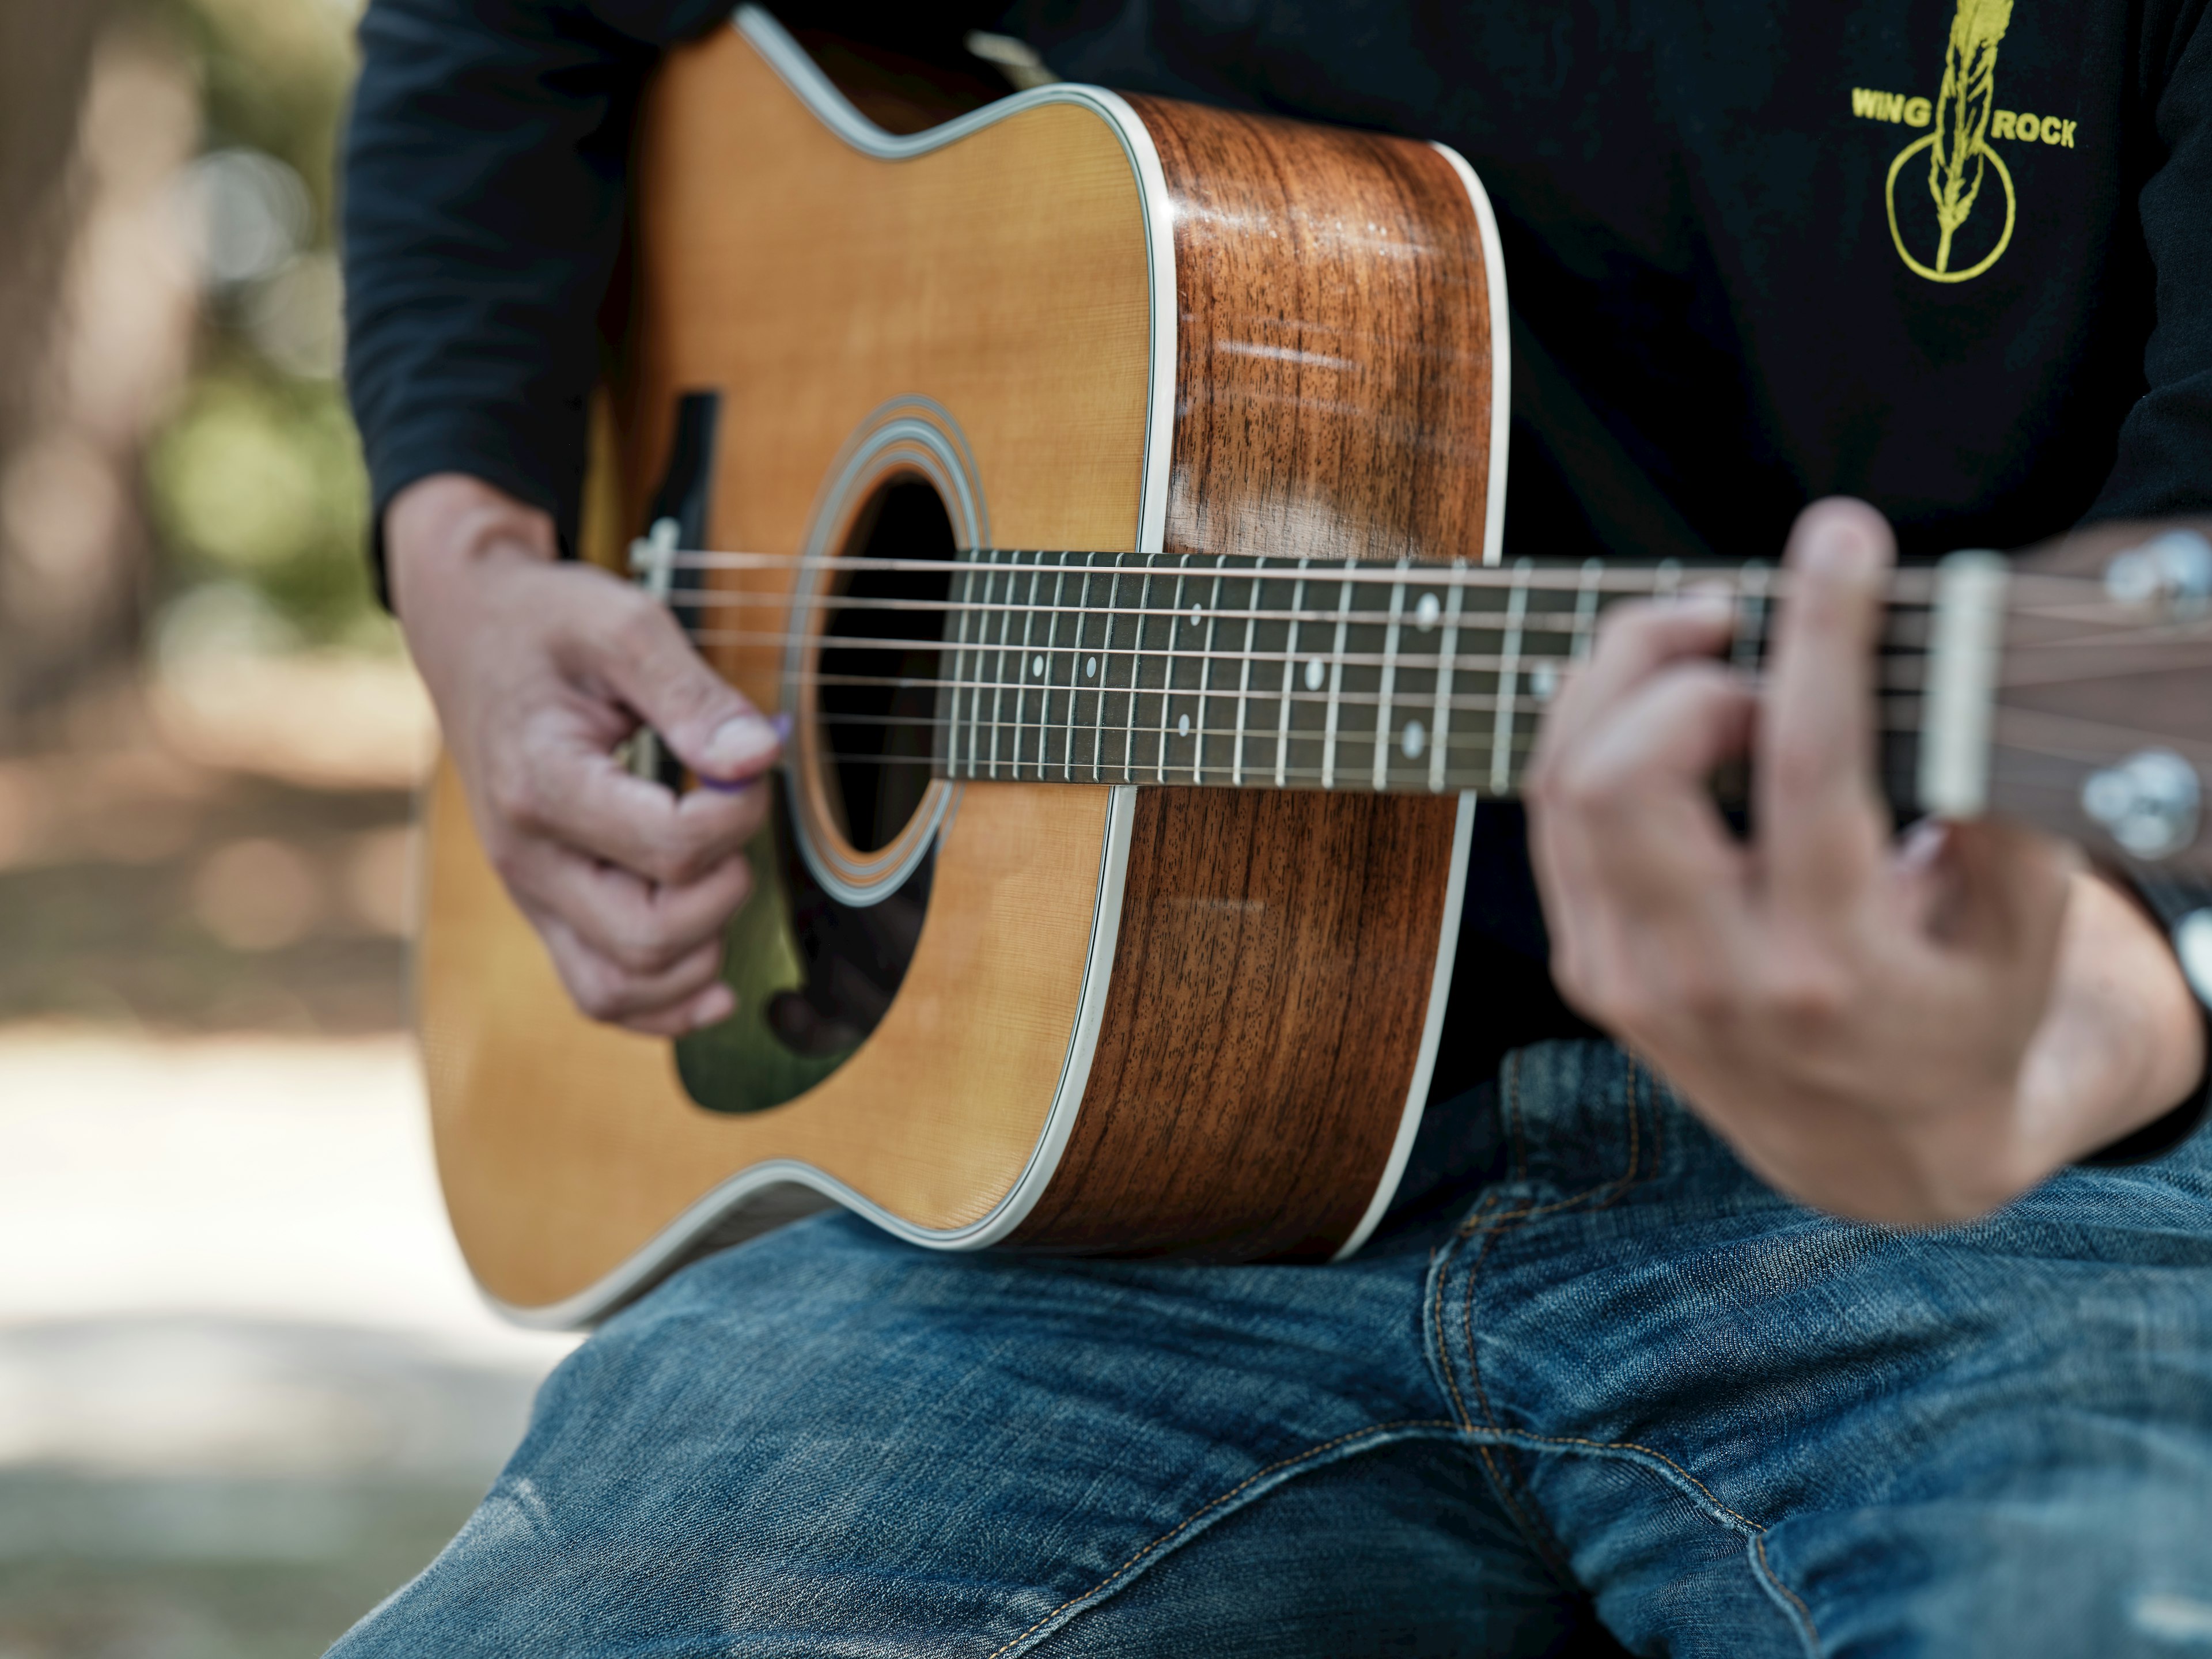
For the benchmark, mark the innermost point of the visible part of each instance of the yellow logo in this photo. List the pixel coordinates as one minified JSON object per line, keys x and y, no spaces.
{"x":1960,"y":161}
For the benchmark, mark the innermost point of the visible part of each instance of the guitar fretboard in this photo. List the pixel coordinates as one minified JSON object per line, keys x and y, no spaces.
{"x":1248,"y":671}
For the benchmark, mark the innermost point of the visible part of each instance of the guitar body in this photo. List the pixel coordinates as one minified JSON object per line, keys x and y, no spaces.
{"x":1042,"y":1014}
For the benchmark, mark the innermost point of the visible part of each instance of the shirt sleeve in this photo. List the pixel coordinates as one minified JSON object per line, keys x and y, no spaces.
{"x":2163,"y":465}
{"x":483,"y":175}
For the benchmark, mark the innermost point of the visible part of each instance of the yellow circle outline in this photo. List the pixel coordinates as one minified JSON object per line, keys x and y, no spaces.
{"x":1914,"y":265}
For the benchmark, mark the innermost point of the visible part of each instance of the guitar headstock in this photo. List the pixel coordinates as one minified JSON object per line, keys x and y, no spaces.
{"x":2099,"y":724}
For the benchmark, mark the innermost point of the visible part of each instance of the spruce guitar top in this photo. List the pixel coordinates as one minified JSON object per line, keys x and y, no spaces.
{"x":1110,"y":495}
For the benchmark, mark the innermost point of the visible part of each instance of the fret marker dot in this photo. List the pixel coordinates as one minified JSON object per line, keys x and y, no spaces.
{"x":1194,"y":611}
{"x":1090,"y":669}
{"x":1313,"y":675}
{"x":1037,"y":668}
{"x":1414,"y":739}
{"x":1544,"y":681}
{"x":1182,"y":726}
{"x":1426,"y":612}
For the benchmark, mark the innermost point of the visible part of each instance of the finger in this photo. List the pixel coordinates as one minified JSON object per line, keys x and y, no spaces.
{"x":1644,"y":889}
{"x":710,"y":1007}
{"x":1634,"y":641}
{"x":556,"y":784}
{"x":1635,"y":791}
{"x":641,"y":927}
{"x":703,"y":720}
{"x":661,"y":1003}
{"x":1820,"y":824}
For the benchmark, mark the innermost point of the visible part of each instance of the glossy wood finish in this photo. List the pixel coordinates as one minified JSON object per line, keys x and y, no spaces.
{"x":1332,"y":371}
{"x":1005,"y":276}
{"x":1269,"y":986}
{"x":1332,"y":400}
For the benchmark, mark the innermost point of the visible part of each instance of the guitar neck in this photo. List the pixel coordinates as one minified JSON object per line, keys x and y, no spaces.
{"x":1279,"y":673}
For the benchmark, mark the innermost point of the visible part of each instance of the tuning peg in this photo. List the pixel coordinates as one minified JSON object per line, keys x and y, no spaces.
{"x":2147,"y":803}
{"x":2172,"y":570}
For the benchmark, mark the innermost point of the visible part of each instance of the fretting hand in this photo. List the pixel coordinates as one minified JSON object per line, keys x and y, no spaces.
{"x":1908,"y":1033}
{"x":539,"y":669}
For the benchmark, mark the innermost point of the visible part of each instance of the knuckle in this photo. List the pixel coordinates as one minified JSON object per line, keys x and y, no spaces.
{"x":514,"y":798}
{"x":597,"y":992}
{"x":1805,"y":996}
{"x":1703,"y":997}
{"x":648,"y":947}
{"x":1799,"y":769}
{"x":1584,"y":790}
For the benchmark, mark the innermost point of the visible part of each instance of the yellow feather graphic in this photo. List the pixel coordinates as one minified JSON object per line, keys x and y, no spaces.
{"x":1957,"y":160}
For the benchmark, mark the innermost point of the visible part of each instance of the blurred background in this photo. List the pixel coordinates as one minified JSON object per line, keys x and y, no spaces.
{"x":245,"y":1388}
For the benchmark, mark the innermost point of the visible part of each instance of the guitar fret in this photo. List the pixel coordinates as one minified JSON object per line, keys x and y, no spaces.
{"x":959,"y":672}
{"x":1136,"y":665}
{"x":1205,"y":669}
{"x":1336,"y":680}
{"x":1509,"y":674}
{"x":998,"y":675}
{"x":1289,"y":668}
{"x":1074,"y":668}
{"x":1447,"y":654}
{"x":1751,"y":617}
{"x":982,"y":660}
{"x":1580,"y":639}
{"x":1051,"y":655}
{"x":1389,"y":684}
{"x":1105,"y":674}
{"x":1167,"y":672}
{"x":1244,"y":682}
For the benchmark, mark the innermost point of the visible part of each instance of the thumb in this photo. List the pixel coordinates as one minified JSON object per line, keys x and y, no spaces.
{"x":706,"y":723}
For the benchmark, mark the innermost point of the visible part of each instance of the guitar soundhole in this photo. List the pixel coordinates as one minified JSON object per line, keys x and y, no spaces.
{"x":877,"y":696}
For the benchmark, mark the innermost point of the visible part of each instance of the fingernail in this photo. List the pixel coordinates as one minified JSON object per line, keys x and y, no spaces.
{"x":1839,"y":550}
{"x":718,"y":1003}
{"x":740,"y":749}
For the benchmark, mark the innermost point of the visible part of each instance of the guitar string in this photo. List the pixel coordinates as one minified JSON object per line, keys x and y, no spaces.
{"x":1907,"y":586}
{"x":1895,"y":652}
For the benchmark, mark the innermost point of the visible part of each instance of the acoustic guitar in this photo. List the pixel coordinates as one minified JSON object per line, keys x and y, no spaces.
{"x":1108,"y":493}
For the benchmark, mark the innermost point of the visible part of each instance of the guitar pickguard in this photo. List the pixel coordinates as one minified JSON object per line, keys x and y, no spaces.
{"x":812,"y":976}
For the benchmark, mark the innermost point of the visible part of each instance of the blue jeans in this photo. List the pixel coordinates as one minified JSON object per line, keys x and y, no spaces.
{"x":1604,"y":1387}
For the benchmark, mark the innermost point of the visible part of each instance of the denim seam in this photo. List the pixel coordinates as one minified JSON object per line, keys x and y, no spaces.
{"x":1495,"y":1227}
{"x":1664,"y":1468}
{"x":1619,"y":1184}
{"x":1375,"y":1435}
{"x":1519,"y":1500}
{"x":1512,"y":1488}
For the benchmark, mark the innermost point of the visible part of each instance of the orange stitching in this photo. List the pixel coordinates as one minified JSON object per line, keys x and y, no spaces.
{"x":1623,"y":1182}
{"x":1812,"y":1627}
{"x":1514,"y":1491}
{"x":1635,"y":1446}
{"x":1497,"y":1225}
{"x":1443,"y":1348}
{"x":1539,"y":1531}
{"x":1185,"y":1524}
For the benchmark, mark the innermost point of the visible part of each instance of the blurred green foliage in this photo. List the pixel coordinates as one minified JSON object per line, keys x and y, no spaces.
{"x":255,"y":480}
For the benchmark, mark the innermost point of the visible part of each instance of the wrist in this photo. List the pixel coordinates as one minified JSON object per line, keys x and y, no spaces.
{"x":444,"y":531}
{"x":2122,"y":1041}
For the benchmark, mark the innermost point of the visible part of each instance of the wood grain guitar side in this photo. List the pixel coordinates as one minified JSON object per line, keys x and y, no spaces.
{"x":1277,"y":972}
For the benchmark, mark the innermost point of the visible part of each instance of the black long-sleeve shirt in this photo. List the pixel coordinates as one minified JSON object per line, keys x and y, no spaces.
{"x":1731,"y":291}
